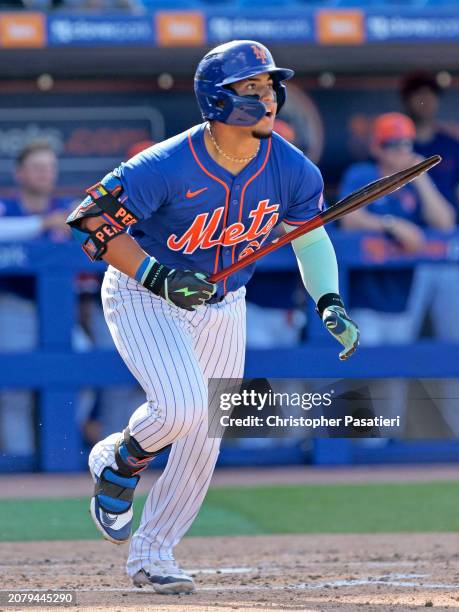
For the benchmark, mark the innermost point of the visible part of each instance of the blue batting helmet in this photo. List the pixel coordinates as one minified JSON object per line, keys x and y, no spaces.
{"x":227,"y":64}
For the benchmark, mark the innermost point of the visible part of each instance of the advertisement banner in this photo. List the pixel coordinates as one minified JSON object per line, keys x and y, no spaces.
{"x":89,"y":142}
{"x":408,"y":27}
{"x":164,"y":28}
{"x":273,"y":27}
{"x":100,"y":30}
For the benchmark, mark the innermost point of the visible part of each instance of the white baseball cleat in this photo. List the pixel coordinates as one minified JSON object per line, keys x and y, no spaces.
{"x":166,"y":578}
{"x":115,"y":528}
{"x":111,"y":504}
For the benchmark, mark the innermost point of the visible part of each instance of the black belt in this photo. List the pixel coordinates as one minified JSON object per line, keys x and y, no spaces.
{"x":215,"y":299}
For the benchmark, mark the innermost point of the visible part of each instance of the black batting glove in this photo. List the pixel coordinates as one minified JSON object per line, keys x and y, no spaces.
{"x":182,"y":288}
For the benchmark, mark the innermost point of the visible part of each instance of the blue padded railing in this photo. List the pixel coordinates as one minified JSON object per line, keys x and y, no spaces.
{"x":57,"y":372}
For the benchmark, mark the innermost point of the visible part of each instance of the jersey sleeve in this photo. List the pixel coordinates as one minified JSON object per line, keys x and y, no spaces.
{"x":144,"y":185}
{"x":306,"y":199}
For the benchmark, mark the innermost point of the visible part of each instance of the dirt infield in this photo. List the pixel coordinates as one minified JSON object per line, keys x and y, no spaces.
{"x":394,"y":572}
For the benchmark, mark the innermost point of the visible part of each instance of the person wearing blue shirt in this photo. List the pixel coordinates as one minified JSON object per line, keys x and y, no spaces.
{"x":33,"y":214}
{"x":36,"y":213}
{"x":166,"y":221}
{"x":420,"y":95}
{"x":382,"y":299}
{"x":437,"y":283}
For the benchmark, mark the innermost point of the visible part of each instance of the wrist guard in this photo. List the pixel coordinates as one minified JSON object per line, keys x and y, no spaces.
{"x":154,"y":277}
{"x":329,"y":299}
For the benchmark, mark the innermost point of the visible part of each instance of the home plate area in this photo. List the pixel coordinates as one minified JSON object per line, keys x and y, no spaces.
{"x":303,"y":572}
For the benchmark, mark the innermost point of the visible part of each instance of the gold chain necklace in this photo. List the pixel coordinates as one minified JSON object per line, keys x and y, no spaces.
{"x":237,"y":160}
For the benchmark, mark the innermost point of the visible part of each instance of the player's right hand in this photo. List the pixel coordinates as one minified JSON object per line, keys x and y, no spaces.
{"x":187,"y":289}
{"x":342,"y":328}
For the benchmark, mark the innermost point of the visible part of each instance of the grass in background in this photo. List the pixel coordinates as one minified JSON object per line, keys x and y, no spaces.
{"x":365,"y":508}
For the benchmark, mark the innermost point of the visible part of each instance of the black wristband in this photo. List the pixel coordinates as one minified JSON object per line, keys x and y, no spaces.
{"x":155,"y":278}
{"x":329,"y":299}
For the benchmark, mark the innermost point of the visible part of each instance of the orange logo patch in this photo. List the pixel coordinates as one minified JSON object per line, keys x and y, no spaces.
{"x":192,"y":194}
{"x":260,"y":54}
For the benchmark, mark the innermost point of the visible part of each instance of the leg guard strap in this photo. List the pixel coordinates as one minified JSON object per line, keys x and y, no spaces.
{"x":130,"y":456}
{"x":115,"y":492}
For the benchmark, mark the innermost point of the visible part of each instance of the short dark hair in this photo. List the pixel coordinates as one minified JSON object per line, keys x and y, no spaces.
{"x":31,"y":148}
{"x":418,"y":80}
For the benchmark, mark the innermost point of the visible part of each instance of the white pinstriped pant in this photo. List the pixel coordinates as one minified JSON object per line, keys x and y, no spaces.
{"x":172,"y":353}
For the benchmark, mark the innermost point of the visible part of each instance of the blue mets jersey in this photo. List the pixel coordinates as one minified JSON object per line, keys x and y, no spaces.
{"x":194,"y":214}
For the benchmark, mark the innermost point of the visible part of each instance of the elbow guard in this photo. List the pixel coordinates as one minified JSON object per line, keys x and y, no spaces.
{"x":106,"y":200}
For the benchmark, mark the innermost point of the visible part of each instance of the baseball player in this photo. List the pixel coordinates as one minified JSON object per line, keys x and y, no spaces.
{"x":164,"y":222}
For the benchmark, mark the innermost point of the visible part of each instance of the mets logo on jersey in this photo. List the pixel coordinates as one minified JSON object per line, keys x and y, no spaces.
{"x":204,"y":232}
{"x":260,"y":54}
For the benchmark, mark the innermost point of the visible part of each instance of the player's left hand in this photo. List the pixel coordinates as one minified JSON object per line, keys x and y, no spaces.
{"x":187,"y":289}
{"x":341,"y":327}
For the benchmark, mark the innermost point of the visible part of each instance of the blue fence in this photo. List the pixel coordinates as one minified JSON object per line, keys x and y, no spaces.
{"x":58,"y":373}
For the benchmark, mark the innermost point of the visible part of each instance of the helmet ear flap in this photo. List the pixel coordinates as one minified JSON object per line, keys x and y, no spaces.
{"x":218,"y":104}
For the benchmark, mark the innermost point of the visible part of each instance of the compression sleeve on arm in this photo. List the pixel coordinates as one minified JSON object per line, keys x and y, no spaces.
{"x":317,"y":262}
{"x":20,"y":228}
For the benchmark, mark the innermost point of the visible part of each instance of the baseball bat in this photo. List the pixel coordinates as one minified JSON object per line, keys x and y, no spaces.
{"x":357,"y":199}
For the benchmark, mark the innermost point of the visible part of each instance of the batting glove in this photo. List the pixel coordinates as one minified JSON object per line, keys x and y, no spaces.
{"x":187,"y":289}
{"x":338,"y":323}
{"x":183,"y":288}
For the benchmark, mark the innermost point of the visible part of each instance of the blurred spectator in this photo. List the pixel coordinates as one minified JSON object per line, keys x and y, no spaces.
{"x":436,"y":285}
{"x":382,"y":301}
{"x":286,"y":130}
{"x":390,"y":305}
{"x":420,"y":94}
{"x":34,"y":213}
{"x":138,"y":147}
